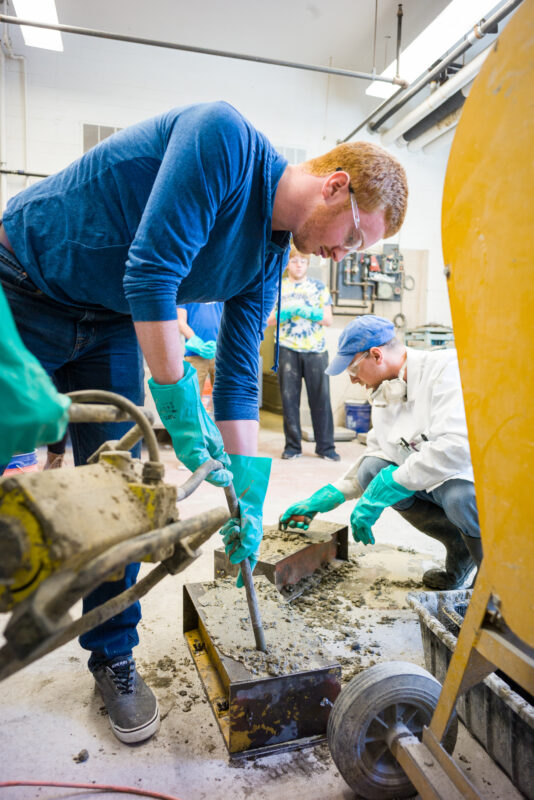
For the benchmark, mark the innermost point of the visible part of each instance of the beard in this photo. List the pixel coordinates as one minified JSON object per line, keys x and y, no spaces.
{"x":312,"y":233}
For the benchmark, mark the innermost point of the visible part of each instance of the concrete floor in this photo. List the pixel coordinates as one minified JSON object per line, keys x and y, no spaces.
{"x":51,"y":712}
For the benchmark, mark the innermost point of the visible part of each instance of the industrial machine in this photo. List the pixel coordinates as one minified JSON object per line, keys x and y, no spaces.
{"x":61,"y":535}
{"x":391,"y":728}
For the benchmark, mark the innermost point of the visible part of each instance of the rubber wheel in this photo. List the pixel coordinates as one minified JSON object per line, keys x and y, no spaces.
{"x":375,"y":699}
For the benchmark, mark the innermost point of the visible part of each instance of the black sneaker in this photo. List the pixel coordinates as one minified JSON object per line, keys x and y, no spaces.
{"x":131,"y":705}
{"x":330,"y":456}
{"x":287,"y":456}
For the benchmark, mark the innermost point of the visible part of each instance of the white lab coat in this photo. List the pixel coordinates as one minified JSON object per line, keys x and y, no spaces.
{"x":431,"y":422}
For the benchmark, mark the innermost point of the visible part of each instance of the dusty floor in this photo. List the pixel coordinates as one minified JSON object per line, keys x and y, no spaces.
{"x":51,"y":713}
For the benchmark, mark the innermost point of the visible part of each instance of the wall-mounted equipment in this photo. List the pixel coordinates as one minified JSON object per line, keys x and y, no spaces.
{"x":362,"y":278}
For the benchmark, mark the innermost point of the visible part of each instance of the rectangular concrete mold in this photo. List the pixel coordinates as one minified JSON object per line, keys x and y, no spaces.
{"x":263,"y":703}
{"x":501,"y":718}
{"x":286,"y":556}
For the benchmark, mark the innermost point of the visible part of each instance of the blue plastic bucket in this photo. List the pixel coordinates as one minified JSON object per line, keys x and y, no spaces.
{"x":358,"y":416}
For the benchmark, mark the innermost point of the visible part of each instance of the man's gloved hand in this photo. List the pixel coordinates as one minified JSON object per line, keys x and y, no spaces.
{"x":208,"y":349}
{"x":383,"y":491}
{"x":309,"y":312}
{"x":195,"y":344}
{"x":195,"y":437}
{"x":324,"y":499}
{"x":287,"y":312}
{"x":242,"y":536}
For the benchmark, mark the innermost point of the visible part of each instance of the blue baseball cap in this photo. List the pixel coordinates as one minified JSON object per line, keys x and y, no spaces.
{"x":359,"y":335}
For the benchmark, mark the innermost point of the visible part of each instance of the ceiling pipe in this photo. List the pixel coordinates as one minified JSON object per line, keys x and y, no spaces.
{"x":444,"y":125}
{"x":450,"y":87}
{"x":399,"y":37}
{"x":452,"y":104}
{"x":484,"y":27}
{"x":119,"y":37}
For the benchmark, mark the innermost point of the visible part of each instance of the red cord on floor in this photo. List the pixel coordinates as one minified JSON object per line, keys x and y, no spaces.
{"x":96,"y":786}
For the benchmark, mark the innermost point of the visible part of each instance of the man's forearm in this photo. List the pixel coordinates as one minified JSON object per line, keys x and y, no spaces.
{"x":162,"y":348}
{"x":240,"y":436}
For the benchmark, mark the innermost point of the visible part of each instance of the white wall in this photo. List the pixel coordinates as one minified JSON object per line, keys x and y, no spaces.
{"x":116,"y":84}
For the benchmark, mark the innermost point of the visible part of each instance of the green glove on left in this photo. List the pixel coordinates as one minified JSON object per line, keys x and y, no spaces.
{"x":287,"y":312}
{"x":324,"y":499}
{"x":242,"y":536}
{"x":383,"y":491}
{"x":208,"y":349}
{"x":33,"y":411}
{"x":195,"y":437}
{"x":309,"y":312}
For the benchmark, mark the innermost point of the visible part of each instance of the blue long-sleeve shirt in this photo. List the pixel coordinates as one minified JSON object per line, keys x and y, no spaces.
{"x":176,"y":209}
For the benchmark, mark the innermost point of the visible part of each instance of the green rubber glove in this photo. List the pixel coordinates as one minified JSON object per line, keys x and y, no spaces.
{"x":287,"y":313}
{"x":195,"y":437}
{"x":208,"y":349}
{"x":383,"y":491}
{"x":308,"y":312}
{"x":324,"y":499}
{"x":195,"y":344}
{"x":242,"y":536}
{"x":33,"y":411}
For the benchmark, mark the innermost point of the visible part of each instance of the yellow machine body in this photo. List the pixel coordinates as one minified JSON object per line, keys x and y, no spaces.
{"x":64,"y":518}
{"x":488,"y":243}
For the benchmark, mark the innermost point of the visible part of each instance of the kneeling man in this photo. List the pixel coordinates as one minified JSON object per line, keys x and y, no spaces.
{"x":417,"y":457}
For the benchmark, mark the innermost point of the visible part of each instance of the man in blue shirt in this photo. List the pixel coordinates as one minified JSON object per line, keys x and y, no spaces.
{"x":94,"y":259}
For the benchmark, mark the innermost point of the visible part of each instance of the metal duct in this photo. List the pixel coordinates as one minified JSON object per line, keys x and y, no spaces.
{"x":436,"y":131}
{"x":447,"y":108}
{"x":456,"y":82}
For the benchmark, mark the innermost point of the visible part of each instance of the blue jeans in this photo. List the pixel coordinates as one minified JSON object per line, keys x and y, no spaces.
{"x":84,"y":349}
{"x":456,"y":497}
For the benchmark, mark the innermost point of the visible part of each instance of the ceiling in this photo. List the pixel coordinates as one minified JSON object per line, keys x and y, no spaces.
{"x":339,"y":33}
{"x":336,"y":33}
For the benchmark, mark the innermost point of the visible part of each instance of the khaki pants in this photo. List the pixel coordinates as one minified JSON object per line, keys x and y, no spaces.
{"x":203,"y":366}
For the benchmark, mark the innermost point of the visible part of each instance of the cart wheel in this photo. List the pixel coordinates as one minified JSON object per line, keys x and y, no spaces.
{"x":362,"y":714}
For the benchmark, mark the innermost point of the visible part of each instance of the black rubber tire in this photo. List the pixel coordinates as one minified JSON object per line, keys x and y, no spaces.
{"x":393,"y":691}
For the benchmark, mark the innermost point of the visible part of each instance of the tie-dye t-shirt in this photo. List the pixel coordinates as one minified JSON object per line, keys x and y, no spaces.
{"x":299,"y":333}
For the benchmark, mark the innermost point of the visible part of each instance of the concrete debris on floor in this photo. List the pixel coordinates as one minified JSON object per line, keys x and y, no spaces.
{"x":56,"y":729}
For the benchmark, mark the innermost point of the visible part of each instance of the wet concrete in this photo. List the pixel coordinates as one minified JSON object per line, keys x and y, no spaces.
{"x":290,"y":646}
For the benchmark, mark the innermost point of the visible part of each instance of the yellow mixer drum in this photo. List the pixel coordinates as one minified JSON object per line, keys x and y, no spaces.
{"x":488,"y":244}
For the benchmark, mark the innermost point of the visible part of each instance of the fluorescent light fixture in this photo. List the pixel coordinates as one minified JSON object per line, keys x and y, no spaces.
{"x":40,"y":11}
{"x":448,"y":28}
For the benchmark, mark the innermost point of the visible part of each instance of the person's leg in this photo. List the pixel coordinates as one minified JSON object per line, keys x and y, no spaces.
{"x":425,"y":513}
{"x":458,"y":500}
{"x":85,"y":352}
{"x":202,"y":366}
{"x":110,"y":359}
{"x":369,"y":468}
{"x":290,"y":380}
{"x":318,"y":390}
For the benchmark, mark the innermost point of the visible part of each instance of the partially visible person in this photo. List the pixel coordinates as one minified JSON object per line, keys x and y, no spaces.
{"x":199,"y":325}
{"x":306,"y":308}
{"x":33,"y":411}
{"x":55,"y":454}
{"x":417,"y":457}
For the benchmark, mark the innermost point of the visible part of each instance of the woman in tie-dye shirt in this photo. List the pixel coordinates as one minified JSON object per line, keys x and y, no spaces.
{"x":306,"y":308}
